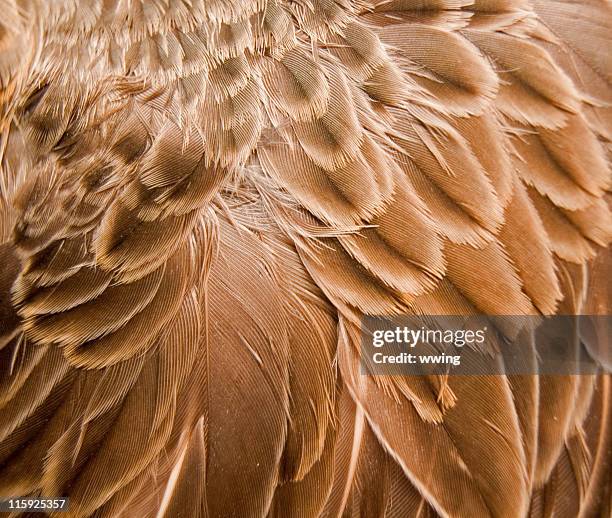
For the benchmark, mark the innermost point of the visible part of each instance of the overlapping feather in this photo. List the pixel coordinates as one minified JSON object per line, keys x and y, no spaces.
{"x":200,"y":200}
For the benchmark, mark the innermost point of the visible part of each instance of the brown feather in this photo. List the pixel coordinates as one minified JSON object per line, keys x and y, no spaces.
{"x":200,"y":202}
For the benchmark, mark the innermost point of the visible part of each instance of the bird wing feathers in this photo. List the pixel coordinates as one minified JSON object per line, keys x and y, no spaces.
{"x":200,"y":200}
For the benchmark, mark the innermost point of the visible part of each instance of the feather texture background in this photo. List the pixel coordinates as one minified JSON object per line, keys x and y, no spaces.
{"x":199,"y":200}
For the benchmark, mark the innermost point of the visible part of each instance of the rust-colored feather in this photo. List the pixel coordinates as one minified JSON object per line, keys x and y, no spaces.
{"x":200,"y":202}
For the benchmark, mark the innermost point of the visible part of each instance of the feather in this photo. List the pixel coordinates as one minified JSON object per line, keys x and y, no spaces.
{"x":497,"y":290}
{"x":460,"y":92}
{"x":488,"y":142}
{"x":9,"y":321}
{"x":346,"y":281}
{"x":566,"y":240}
{"x":188,"y":489}
{"x":432,"y":166}
{"x":334,"y":138}
{"x":202,"y":202}
{"x":437,"y":478}
{"x":534,"y":89}
{"x":297,"y":85}
{"x":531,"y":253}
{"x":386,"y":251}
{"x":548,"y":165}
{"x":443,"y":13}
{"x":314,"y":186}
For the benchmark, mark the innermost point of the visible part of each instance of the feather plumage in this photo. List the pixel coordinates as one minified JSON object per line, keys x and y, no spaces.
{"x":199,"y":201}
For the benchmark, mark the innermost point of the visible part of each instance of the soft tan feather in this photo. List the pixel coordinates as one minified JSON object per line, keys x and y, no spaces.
{"x":199,"y":203}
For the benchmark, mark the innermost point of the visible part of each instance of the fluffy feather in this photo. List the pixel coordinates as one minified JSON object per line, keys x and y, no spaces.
{"x":200,"y":201}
